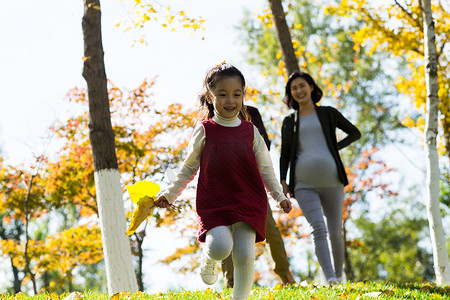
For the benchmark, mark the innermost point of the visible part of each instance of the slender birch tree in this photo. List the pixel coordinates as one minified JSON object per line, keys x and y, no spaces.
{"x":284,"y":37}
{"x":440,"y":254}
{"x":120,"y":273}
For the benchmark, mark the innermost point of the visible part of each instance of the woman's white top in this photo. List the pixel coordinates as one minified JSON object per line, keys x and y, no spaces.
{"x":191,"y":163}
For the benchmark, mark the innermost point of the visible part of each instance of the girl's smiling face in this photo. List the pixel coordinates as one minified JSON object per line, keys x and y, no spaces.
{"x":301,"y":91}
{"x":227,"y":96}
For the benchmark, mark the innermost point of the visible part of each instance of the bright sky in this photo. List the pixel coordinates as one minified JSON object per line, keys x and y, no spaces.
{"x":41,"y":60}
{"x":42,"y":50}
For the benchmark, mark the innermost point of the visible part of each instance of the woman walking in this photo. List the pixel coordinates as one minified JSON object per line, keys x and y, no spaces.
{"x":310,"y":150}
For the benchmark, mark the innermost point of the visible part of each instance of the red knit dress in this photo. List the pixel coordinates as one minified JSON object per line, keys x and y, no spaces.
{"x":230,"y":188}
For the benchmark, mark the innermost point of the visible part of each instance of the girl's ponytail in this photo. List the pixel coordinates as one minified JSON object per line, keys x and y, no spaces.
{"x":206,"y":109}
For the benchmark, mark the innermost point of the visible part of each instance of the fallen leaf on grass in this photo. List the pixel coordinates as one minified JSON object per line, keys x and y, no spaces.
{"x":278,"y":286}
{"x":74,"y":296}
{"x":388,"y":292}
{"x":52,"y":296}
{"x":304,"y":283}
{"x":372,"y":294}
{"x":115,"y":296}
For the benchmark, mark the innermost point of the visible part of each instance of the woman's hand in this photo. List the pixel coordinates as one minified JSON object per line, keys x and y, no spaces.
{"x":286,"y":191}
{"x":286,"y":205}
{"x":162,"y":202}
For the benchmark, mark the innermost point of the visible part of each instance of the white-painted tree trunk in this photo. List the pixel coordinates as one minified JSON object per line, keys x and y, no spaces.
{"x":440,"y":254}
{"x":116,"y":245}
{"x":438,"y":241}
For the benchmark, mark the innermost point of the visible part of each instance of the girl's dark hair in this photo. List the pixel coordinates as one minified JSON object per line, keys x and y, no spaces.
{"x":316,"y":93}
{"x":212,"y":77}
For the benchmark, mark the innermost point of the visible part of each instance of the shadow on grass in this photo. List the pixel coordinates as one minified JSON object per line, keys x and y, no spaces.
{"x":426,"y":287}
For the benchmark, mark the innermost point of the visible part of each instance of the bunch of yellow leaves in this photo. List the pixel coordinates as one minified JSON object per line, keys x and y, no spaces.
{"x":142,"y":193}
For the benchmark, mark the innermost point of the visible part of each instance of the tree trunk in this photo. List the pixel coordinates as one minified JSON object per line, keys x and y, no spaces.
{"x":25,"y":254}
{"x":16,"y":237}
{"x":139,"y":241}
{"x":440,"y":255}
{"x":17,"y":281}
{"x":116,"y":245}
{"x":284,"y":37}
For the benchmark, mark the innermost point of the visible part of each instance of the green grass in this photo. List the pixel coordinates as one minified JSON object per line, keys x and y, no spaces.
{"x":353,"y":290}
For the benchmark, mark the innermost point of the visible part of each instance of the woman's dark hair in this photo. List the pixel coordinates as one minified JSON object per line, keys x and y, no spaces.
{"x":212,"y":77}
{"x":316,"y":93}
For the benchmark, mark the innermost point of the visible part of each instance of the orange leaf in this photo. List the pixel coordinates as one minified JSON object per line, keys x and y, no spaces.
{"x":115,"y":296}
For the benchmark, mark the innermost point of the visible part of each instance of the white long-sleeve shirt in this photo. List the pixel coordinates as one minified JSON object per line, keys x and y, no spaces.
{"x":191,"y":163}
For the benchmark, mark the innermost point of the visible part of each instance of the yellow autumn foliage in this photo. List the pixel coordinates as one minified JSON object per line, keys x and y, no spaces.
{"x":63,"y":251}
{"x":143,"y":11}
{"x":396,"y":27}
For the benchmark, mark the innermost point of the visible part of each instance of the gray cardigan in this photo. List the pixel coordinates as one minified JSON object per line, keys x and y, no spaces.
{"x":330,"y":119}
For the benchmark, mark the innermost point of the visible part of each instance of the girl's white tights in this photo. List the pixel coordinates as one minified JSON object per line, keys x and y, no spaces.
{"x":240,"y":239}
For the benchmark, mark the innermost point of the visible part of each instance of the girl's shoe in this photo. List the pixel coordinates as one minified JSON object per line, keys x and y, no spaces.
{"x":209,"y":271}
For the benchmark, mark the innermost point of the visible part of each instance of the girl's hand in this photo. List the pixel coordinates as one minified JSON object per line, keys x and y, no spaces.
{"x":286,"y":191}
{"x":162,"y":202}
{"x":286,"y":205}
